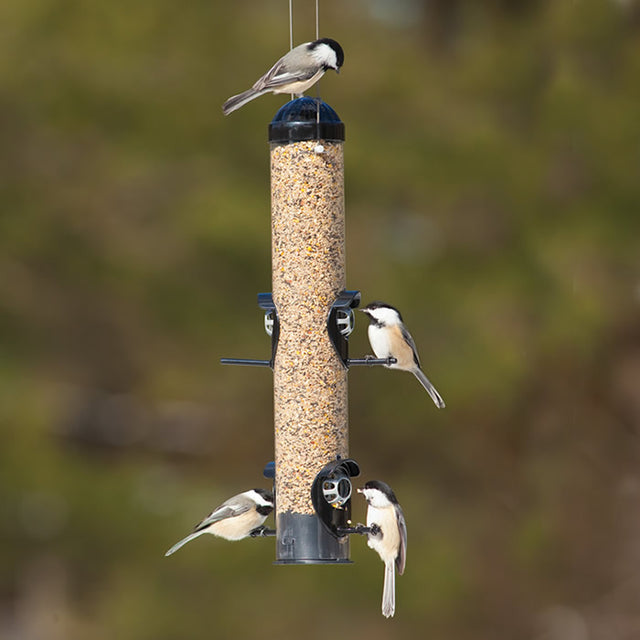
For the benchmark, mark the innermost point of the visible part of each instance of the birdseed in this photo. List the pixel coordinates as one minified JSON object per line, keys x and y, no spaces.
{"x":308,"y":263}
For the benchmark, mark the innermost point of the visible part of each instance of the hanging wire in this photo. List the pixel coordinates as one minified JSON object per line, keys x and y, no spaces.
{"x":290,"y":25}
{"x":318,"y":85}
{"x":291,"y":47}
{"x":291,"y":30}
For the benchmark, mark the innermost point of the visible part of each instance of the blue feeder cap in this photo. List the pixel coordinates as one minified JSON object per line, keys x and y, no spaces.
{"x":298,"y":120}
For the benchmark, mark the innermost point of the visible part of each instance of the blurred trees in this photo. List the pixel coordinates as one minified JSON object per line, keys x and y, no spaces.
{"x":492,"y":195}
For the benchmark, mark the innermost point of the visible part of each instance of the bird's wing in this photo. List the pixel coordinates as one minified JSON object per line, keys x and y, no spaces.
{"x":229,"y":509}
{"x":407,"y":336}
{"x":401,"y":558}
{"x":280,"y":75}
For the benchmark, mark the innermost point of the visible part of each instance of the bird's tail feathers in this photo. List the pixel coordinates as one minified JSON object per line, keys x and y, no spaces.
{"x":389,"y":590}
{"x":431,"y":390}
{"x":184,"y":541}
{"x":235,"y":102}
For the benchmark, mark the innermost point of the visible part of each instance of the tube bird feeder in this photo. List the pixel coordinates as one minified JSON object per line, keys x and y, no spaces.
{"x":308,"y":274}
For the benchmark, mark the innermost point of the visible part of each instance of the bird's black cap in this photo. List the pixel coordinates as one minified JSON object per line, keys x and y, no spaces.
{"x":376,"y":304}
{"x":334,"y":45}
{"x":384,"y":487}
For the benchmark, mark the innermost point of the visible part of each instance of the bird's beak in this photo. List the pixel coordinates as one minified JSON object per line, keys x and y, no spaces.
{"x":360,"y":490}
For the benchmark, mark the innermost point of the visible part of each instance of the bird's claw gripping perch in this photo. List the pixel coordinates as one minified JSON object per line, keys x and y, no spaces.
{"x":359,"y":529}
{"x":262,"y":532}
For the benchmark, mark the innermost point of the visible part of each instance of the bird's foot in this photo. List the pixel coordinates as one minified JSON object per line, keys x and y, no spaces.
{"x":359,"y":529}
{"x":262,"y":532}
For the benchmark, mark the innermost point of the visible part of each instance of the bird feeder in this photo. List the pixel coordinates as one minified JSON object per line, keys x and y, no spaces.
{"x":308,"y":274}
{"x":309,"y":316}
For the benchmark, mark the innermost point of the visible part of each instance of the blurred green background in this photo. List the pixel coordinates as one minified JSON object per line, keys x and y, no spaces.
{"x":492,"y":194}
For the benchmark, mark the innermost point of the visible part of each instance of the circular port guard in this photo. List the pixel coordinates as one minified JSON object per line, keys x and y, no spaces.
{"x":331,"y":493}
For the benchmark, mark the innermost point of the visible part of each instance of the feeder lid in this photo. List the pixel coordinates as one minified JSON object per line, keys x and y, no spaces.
{"x":298,"y":120}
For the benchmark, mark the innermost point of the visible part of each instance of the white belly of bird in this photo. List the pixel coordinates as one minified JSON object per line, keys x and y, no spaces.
{"x":387,"y":546}
{"x":379,"y":342}
{"x":299,"y":87}
{"x":238,"y":527}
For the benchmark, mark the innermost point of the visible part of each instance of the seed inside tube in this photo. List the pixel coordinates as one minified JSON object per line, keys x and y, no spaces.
{"x":310,"y":383}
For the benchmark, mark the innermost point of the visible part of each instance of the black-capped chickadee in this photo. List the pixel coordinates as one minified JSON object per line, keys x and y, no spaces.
{"x":294,"y":73}
{"x":387,"y":536}
{"x":389,"y":338}
{"x":237,"y":518}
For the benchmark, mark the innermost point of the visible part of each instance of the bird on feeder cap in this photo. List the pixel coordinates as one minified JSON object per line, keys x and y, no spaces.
{"x":294,"y":73}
